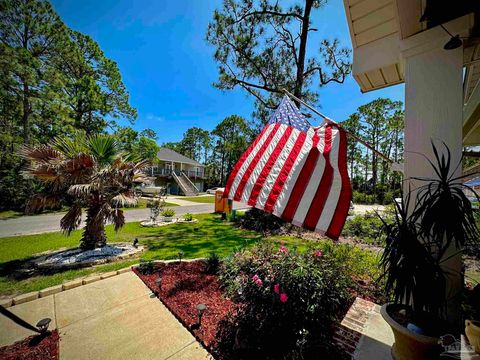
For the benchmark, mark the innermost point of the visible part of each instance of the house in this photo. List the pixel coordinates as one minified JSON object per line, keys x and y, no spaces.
{"x":433,"y":48}
{"x":179,"y":174}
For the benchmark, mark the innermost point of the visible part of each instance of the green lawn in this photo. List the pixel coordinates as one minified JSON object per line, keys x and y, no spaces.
{"x":10,"y":214}
{"x":208,"y":199}
{"x":210,"y":234}
{"x":142,"y":204}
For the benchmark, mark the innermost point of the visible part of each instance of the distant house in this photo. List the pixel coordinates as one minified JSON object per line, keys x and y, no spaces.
{"x":178,"y":173}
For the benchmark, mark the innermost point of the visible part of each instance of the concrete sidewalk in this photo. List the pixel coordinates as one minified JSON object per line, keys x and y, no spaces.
{"x":114,"y":318}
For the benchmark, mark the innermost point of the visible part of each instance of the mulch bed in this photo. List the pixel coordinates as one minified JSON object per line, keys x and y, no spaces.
{"x":184,"y":285}
{"x":33,"y":348}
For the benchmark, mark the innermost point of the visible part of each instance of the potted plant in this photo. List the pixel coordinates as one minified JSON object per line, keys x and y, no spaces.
{"x":168,"y":215}
{"x":471,"y":308}
{"x":423,"y":232}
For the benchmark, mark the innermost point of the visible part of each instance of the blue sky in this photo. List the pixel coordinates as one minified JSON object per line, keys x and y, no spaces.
{"x":168,"y":67}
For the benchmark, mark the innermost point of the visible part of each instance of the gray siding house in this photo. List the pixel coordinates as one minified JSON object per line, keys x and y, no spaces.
{"x":179,"y":174}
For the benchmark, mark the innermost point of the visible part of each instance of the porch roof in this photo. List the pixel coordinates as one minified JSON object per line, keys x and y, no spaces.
{"x":165,"y":154}
{"x":383,"y":32}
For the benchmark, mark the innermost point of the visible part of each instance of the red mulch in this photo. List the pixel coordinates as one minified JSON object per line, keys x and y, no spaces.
{"x":32,"y":349}
{"x":184,"y":285}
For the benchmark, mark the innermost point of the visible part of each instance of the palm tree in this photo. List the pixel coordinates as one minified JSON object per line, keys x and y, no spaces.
{"x":93,"y":174}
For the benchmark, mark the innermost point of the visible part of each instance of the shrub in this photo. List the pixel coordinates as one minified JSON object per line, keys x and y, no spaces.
{"x":212,"y":263}
{"x":367,"y":228}
{"x":146,"y":267}
{"x":168,"y":212}
{"x":260,"y":221}
{"x":188,"y":217}
{"x":290,"y":300}
{"x":362,"y":198}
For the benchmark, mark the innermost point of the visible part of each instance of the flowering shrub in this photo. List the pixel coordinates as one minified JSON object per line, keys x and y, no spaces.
{"x":290,"y":300}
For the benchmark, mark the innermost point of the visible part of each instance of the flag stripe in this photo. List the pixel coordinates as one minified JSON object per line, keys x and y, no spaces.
{"x":320,"y":197}
{"x":242,"y":159}
{"x":257,"y":157}
{"x":335,"y":188}
{"x":257,"y":169}
{"x":341,"y":211}
{"x":302,"y":181}
{"x":292,"y":178}
{"x":315,"y":178}
{"x":268,"y":166}
{"x":236,"y":179}
{"x":284,"y":172}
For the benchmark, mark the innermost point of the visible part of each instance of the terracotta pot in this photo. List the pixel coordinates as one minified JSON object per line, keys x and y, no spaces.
{"x":472,"y":330}
{"x":409,"y":345}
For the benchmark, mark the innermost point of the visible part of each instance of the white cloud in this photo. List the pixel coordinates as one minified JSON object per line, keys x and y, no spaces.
{"x":155,"y":117}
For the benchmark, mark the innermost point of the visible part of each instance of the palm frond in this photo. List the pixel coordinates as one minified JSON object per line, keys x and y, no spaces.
{"x":71,"y":146}
{"x":104,"y":148}
{"x":42,"y":201}
{"x":118,"y":218}
{"x":126,"y":199}
{"x":81,"y":191}
{"x":41,"y":153}
{"x":72,"y":219}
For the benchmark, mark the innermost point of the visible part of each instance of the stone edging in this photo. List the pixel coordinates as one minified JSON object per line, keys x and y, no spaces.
{"x":24,"y":298}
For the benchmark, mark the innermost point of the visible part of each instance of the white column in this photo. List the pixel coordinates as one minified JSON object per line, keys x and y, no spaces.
{"x":433,"y":111}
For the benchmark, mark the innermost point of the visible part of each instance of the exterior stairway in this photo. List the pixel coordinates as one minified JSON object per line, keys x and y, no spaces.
{"x":185,"y":184}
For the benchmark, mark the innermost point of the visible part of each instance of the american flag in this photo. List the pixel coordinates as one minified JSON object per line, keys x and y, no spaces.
{"x":296,"y":172}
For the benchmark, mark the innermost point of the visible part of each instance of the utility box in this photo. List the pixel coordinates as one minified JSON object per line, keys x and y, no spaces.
{"x":221,"y":204}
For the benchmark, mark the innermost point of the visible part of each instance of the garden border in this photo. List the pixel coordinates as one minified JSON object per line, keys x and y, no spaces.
{"x":34,"y":295}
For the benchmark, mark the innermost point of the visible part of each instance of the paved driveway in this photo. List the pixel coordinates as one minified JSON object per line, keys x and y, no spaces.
{"x":47,"y":223}
{"x":114,"y":318}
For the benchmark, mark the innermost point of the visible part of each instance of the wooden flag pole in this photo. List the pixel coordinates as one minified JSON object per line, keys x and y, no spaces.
{"x":356,"y":138}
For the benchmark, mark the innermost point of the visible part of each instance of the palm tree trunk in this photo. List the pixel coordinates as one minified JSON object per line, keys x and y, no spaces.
{"x":94,"y":232}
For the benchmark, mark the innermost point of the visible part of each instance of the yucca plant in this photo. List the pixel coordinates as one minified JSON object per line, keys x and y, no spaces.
{"x":93,"y":173}
{"x":420,"y":235}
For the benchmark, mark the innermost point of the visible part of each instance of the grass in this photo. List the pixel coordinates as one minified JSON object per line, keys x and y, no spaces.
{"x":142,"y":204}
{"x":11,"y":214}
{"x":210,"y":234}
{"x":208,"y":199}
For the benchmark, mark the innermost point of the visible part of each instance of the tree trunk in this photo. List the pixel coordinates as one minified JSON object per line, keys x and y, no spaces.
{"x":94,"y":233}
{"x":26,"y":114}
{"x":302,"y":49}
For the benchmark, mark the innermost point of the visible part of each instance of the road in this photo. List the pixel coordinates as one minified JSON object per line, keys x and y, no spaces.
{"x":37,"y":224}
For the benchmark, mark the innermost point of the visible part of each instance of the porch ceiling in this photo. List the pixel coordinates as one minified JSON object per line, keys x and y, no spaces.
{"x":378,"y":30}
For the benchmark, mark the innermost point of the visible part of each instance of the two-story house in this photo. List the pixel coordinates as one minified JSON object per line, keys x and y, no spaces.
{"x":177,"y":173}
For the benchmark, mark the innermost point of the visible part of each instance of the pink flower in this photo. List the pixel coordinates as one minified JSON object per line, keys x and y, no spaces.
{"x":283,"y":249}
{"x":255,"y":277}
{"x":317,"y":253}
{"x":283,"y":297}
{"x":259,"y":282}
{"x":276,"y":289}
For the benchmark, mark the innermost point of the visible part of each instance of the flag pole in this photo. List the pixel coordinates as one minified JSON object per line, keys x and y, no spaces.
{"x":356,"y":138}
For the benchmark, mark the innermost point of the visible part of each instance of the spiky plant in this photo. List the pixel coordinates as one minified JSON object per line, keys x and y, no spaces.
{"x":418,"y":239}
{"x":93,"y":173}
